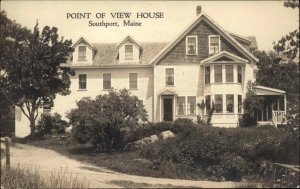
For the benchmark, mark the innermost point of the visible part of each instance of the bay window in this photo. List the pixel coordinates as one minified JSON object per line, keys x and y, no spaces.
{"x":229,"y":103}
{"x":218,"y":73}
{"x":229,"y":73}
{"x":219,"y":103}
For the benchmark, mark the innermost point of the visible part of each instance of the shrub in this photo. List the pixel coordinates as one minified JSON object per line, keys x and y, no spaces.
{"x":51,"y":124}
{"x":230,"y":154}
{"x":103,"y":121}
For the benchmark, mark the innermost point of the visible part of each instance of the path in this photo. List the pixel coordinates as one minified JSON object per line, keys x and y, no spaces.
{"x":98,"y":177}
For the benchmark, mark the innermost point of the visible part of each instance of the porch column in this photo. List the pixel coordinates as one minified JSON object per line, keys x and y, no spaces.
{"x":284,"y":103}
{"x":277,"y":104}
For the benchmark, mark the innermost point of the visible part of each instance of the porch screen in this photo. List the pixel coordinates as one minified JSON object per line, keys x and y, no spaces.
{"x":218,"y":74}
{"x":229,"y":103}
{"x":229,"y":73}
{"x":191,"y":105}
{"x":218,"y":103}
{"x":181,"y":105}
{"x":169,"y":76}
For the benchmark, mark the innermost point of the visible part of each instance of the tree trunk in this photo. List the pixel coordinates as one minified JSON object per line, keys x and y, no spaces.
{"x":32,"y":123}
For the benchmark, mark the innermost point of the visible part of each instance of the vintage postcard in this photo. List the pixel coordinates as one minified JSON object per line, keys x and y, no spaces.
{"x":168,"y":94}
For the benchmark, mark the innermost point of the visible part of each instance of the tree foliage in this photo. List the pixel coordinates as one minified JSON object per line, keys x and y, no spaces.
{"x":30,"y":66}
{"x":276,"y":73}
{"x":252,"y":104}
{"x":102,"y":121}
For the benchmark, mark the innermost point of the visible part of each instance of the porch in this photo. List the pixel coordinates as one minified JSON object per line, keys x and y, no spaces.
{"x":274,"y":111}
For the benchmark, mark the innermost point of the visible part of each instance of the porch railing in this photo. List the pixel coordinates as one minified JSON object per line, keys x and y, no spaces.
{"x":278,"y":117}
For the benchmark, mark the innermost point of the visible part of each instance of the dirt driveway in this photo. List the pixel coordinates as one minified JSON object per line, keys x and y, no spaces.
{"x":98,"y":177}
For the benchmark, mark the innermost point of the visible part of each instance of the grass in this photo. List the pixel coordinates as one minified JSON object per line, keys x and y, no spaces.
{"x":27,"y":178}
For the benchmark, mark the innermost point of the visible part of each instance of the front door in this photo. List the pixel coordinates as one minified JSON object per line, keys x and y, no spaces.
{"x":168,"y":109}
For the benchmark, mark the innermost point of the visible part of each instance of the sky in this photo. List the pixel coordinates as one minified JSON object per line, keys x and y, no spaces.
{"x":267,"y":20}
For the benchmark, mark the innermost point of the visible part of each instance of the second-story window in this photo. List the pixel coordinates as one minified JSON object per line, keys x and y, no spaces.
{"x":214,"y":44}
{"x":191,"y":45}
{"x":106,"y":81}
{"x":239,"y":74}
{"x":82,"y":81}
{"x":128,"y":52}
{"x":81,"y":53}
{"x":207,"y":75}
{"x":133,"y":80}
{"x":169,"y":76}
{"x":218,"y":74}
{"x":229,"y":73}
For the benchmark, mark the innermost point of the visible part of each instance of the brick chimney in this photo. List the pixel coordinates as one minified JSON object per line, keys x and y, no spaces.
{"x":198,"y":10}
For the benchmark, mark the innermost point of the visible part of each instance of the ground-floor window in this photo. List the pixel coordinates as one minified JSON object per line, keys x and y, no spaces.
{"x":219,"y":103}
{"x":181,"y":105}
{"x":229,"y":103}
{"x":191,"y":105}
{"x":239,"y":103}
{"x":207,"y":103}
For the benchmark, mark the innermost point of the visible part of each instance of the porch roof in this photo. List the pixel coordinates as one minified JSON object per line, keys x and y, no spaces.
{"x":261,"y":90}
{"x":224,"y":57}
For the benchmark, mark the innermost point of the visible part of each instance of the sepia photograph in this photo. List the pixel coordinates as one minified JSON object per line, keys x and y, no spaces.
{"x":149,"y":94}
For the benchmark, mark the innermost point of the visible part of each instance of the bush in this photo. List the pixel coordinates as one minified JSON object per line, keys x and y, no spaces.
{"x":51,"y":124}
{"x":103,"y":121}
{"x":230,"y":154}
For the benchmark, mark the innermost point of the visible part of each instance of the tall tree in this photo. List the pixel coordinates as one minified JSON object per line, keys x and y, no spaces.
{"x":30,"y":66}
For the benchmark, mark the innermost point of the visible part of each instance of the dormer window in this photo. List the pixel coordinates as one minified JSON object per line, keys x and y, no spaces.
{"x":191,"y":45}
{"x":214,"y":44}
{"x":128,"y":52}
{"x":82,"y":53}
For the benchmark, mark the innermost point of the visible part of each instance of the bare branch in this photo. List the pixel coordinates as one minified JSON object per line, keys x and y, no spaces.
{"x":27,"y":115}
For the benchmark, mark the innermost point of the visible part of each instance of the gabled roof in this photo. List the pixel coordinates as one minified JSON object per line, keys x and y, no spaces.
{"x":107,"y":54}
{"x":82,"y":39}
{"x":129,"y":38}
{"x":224,"y":54}
{"x":214,"y":25}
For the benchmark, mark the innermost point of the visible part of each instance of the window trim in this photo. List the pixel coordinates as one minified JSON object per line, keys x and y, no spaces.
{"x":79,"y":82}
{"x":125,"y":58}
{"x":136,"y":81}
{"x":186,"y":44}
{"x":209,"y":50}
{"x":166,"y":77}
{"x":84,"y":58}
{"x":104,"y":81}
